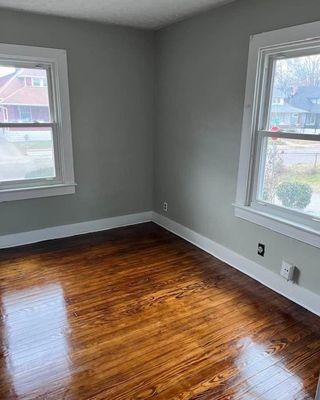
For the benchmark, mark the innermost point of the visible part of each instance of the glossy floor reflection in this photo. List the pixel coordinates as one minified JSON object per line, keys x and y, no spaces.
{"x":137,"y":313}
{"x":262,"y":372}
{"x":35,"y":339}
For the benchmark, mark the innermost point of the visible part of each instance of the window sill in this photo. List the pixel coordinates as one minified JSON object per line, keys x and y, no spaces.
{"x":300,"y":232}
{"x":36,"y":192}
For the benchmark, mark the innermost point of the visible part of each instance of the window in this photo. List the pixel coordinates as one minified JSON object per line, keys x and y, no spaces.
{"x":279,"y":170}
{"x":310,"y":119}
{"x":39,"y":82}
{"x":24,"y":111}
{"x":277,"y":101}
{"x":315,"y":100}
{"x":35,"y":128}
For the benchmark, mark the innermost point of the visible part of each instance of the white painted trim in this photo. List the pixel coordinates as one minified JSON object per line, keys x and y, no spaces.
{"x":35,"y":192}
{"x":56,"y":232}
{"x":300,"y":232}
{"x":263,"y":46}
{"x":297,"y":294}
{"x":55,"y":61}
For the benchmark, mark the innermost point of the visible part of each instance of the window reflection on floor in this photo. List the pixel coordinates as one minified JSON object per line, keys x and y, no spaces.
{"x":36,"y":334}
{"x":263,"y":371}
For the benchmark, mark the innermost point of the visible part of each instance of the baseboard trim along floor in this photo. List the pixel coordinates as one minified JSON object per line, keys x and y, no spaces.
{"x":57,"y":232}
{"x":297,"y":294}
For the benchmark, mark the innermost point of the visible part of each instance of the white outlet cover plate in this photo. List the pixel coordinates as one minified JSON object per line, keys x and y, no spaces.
{"x":287,"y":270}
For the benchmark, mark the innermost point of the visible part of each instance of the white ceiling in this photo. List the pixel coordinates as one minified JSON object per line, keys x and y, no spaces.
{"x":150,"y":14}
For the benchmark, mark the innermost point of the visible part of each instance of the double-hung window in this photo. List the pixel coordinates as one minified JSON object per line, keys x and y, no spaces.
{"x":35,"y":129}
{"x":279,"y":170}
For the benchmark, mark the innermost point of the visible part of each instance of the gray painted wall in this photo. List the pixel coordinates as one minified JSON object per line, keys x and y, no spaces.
{"x":200,"y":83}
{"x":201,"y":65}
{"x":111,"y":78}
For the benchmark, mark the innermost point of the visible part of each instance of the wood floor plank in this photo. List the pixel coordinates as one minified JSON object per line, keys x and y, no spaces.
{"x":138,"y":313}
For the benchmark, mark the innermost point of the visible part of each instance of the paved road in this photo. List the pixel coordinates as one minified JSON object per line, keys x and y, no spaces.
{"x":300,"y":154}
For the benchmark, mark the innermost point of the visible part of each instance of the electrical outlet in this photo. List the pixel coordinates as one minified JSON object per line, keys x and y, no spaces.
{"x":261,"y":249}
{"x":165,"y":206}
{"x":287,"y":271}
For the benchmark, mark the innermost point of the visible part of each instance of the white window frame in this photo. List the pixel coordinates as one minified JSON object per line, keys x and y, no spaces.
{"x":55,"y":62}
{"x":263,"y":47}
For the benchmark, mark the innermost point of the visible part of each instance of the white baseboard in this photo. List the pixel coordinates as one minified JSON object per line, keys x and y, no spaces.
{"x":56,"y":232}
{"x":297,"y":294}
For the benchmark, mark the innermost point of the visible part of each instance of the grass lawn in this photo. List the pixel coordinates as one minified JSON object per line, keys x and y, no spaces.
{"x":35,"y":145}
{"x":302,"y":174}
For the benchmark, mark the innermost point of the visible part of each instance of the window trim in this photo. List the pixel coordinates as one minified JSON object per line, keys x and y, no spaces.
{"x":55,"y":61}
{"x":286,"y":222}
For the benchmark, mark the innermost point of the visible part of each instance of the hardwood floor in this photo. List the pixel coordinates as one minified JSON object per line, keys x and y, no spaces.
{"x":138,"y":313}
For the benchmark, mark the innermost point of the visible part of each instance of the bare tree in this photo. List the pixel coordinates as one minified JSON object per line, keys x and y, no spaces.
{"x":295,"y":72}
{"x":283,"y":78}
{"x":306,"y":70}
{"x":273,"y":172}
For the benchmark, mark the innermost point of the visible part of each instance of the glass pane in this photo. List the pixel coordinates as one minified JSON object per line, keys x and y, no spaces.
{"x":295,"y":95}
{"x":24,"y":95}
{"x":291,"y":175}
{"x":26,"y":153}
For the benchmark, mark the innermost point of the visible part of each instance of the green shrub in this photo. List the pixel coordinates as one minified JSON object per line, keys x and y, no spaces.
{"x":294,"y":194}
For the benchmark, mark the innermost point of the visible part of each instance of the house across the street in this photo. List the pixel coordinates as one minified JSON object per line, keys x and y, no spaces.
{"x":299,"y":111}
{"x":24,"y":96}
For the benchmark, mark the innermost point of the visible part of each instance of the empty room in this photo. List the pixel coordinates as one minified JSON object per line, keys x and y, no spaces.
{"x":160,"y":199}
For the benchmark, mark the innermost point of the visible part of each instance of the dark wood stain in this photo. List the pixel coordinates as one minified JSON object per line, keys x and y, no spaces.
{"x":138,"y":313}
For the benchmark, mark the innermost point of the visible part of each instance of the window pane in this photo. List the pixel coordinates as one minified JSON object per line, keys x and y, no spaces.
{"x":26,"y":153}
{"x":23,"y":95}
{"x":291,"y":175}
{"x":295,"y":95}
